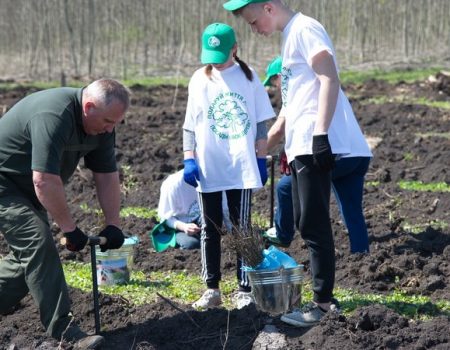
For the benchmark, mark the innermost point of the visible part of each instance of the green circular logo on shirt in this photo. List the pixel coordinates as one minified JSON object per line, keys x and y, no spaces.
{"x":286,"y":73}
{"x":228,"y":116}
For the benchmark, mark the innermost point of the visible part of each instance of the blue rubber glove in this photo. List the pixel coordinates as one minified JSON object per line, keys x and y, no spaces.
{"x":262,"y":167}
{"x":190,"y":173}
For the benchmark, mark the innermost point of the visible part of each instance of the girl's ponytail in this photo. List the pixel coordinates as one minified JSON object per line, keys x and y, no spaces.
{"x":208,"y":71}
{"x":248,"y":73}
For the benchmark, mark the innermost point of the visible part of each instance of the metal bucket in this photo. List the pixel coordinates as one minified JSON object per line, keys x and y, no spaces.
{"x":113,"y":266}
{"x":277,"y":291}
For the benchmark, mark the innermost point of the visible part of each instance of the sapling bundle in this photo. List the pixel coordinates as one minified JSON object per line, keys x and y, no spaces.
{"x":249,"y":244}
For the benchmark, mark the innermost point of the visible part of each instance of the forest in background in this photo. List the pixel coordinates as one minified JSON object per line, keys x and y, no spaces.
{"x":42,"y":39}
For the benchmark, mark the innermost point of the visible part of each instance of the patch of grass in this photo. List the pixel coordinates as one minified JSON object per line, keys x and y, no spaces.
{"x":372,"y":183}
{"x":260,"y":220}
{"x":418,"y":228}
{"x":129,"y":179}
{"x":435,"y":104}
{"x":408,"y":156}
{"x":139,"y":212}
{"x":40,"y":85}
{"x":178,"y":286}
{"x":155,"y":81}
{"x":445,"y":135}
{"x":410,"y":306}
{"x":393,"y":77}
{"x":185,"y":288}
{"x":424,"y":187}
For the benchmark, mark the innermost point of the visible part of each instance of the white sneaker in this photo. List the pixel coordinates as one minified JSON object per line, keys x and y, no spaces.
{"x":243,"y":299}
{"x":309,"y":316}
{"x":271,"y":232}
{"x":210,"y":298}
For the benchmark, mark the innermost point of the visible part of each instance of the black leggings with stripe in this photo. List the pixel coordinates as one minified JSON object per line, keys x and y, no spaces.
{"x":239,"y":205}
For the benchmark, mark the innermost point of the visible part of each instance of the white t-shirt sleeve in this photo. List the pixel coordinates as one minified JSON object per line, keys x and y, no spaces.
{"x":312,"y":41}
{"x":192,"y":108}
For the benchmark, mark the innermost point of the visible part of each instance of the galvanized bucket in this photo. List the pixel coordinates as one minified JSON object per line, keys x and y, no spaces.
{"x":277,"y":291}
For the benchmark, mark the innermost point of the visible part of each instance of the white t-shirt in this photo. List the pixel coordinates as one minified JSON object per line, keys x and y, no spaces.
{"x":223,"y":112}
{"x":178,"y":199}
{"x":303,"y":38}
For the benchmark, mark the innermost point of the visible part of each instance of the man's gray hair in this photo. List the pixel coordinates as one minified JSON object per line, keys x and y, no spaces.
{"x":105,"y":91}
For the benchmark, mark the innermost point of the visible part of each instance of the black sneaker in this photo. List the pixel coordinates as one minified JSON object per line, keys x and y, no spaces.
{"x":82,"y":340}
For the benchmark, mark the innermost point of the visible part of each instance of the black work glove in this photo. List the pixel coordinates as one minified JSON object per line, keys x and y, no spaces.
{"x":323,"y":158}
{"x":76,"y":240}
{"x":114,"y":238}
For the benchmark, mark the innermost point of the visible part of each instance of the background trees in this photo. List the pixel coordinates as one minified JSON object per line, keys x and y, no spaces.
{"x":40,"y":39}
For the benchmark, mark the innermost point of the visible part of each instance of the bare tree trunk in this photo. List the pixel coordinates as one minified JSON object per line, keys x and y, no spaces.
{"x":91,"y":33}
{"x":71,"y":38}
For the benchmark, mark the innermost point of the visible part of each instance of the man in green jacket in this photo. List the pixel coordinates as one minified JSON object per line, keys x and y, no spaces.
{"x":42,"y":139}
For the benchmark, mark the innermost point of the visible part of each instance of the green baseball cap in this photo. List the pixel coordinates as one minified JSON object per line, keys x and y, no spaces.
{"x":217,"y":41}
{"x":237,"y":4}
{"x":163,"y":237}
{"x":272,"y":69}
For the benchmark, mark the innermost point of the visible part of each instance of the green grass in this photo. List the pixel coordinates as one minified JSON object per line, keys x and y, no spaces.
{"x":155,"y":81}
{"x":260,"y":220}
{"x":394,"y":76}
{"x":379,"y":100}
{"x":424,"y":187}
{"x":178,"y":286}
{"x":185,"y":288}
{"x":419,"y":228}
{"x":347,"y":77}
{"x":445,"y":135}
{"x":145,"y":82}
{"x":139,"y":212}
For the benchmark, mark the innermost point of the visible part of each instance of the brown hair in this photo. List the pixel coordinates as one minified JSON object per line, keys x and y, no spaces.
{"x":248,"y":73}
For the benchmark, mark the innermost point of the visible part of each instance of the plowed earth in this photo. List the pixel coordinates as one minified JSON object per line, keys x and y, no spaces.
{"x":409,"y":234}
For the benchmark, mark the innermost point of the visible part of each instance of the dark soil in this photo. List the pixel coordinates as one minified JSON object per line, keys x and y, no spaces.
{"x":150,"y":143}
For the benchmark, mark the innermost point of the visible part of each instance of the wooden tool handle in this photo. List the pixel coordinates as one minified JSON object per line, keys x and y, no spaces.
{"x":91,"y":239}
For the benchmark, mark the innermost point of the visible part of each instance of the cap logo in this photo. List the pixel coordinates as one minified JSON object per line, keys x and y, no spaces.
{"x":213,"y":41}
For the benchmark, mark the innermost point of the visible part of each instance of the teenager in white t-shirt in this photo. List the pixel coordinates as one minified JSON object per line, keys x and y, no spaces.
{"x":319,"y":126}
{"x":178,"y":207}
{"x":225,"y":148}
{"x":347,"y":180}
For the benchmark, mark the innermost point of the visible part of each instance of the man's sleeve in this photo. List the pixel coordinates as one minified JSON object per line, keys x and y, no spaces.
{"x":48,"y":136}
{"x":103,"y":158}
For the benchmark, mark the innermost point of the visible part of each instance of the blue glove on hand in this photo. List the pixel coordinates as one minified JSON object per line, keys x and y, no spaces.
{"x":262,"y":167}
{"x":190,"y":173}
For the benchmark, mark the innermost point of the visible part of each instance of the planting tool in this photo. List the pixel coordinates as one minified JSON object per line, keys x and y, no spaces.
{"x":93,"y":241}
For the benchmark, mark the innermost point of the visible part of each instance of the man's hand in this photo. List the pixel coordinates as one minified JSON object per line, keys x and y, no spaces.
{"x":190,"y":172}
{"x":262,"y":167}
{"x":114,"y":238}
{"x":75,"y":240}
{"x":284,"y":166}
{"x":322,"y":155}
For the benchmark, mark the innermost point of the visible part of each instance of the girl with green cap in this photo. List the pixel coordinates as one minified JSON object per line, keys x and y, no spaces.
{"x":225,"y":148}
